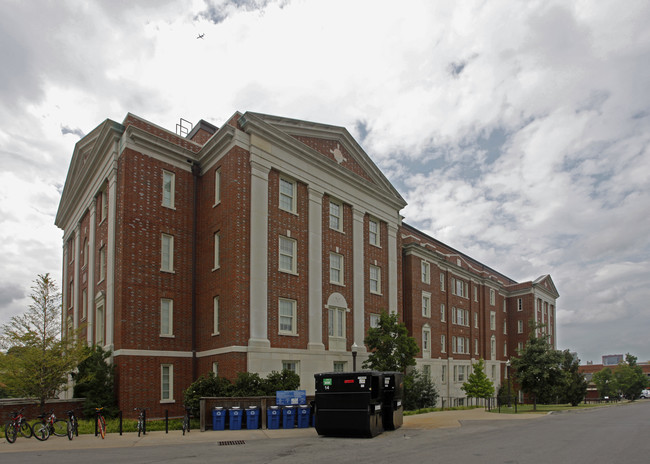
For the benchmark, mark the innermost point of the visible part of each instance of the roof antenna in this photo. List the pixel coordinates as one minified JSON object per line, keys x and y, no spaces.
{"x":184,"y":127}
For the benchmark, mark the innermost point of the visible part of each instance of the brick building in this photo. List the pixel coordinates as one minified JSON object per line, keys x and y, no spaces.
{"x":265,"y":244}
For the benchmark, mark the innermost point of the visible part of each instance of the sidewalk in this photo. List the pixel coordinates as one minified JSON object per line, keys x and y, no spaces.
{"x":432,"y":420}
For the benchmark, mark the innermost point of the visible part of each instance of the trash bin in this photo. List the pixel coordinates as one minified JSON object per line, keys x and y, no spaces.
{"x":235,"y":416}
{"x":218,"y":418}
{"x":303,"y":415}
{"x":288,"y":417}
{"x":273,"y":417}
{"x":252,"y":417}
{"x":392,"y":409}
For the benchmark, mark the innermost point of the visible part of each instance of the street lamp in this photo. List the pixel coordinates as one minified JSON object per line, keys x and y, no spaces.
{"x":508,"y":379}
{"x":354,"y":357}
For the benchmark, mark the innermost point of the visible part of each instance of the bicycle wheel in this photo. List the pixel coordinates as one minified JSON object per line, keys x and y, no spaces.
{"x":60,"y":428}
{"x":41,"y":431}
{"x":11,"y":432}
{"x":184,"y":426}
{"x":26,"y":429}
{"x":69,"y":430}
{"x":101,"y":426}
{"x":139,"y":426}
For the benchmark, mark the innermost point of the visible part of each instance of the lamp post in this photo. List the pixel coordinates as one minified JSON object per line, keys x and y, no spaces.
{"x":354,"y":357}
{"x":508,"y":379}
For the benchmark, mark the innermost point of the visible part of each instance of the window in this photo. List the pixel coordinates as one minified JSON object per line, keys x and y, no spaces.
{"x":217,"y":252}
{"x":426,"y":370}
{"x":458,"y":287}
{"x":287,"y":255}
{"x":504,"y":305}
{"x":215,"y":368}
{"x":443,"y":343}
{"x":443,"y":313}
{"x":291,"y":366}
{"x":462,"y":345}
{"x":84,"y":303}
{"x":520,"y":304}
{"x":336,"y":268}
{"x":71,"y":299}
{"x":492,"y":297}
{"x":476,"y":346}
{"x":336,"y":322}
{"x":103,"y":207}
{"x":459,"y":373}
{"x":493,"y":347}
{"x":476,"y":320}
{"x":493,"y":320}
{"x":167,"y":253}
{"x":494,"y":371}
{"x":426,"y":339}
{"x":167,"y":383}
{"x":475,"y":288}
{"x":520,"y":326}
{"x":426,"y":304}
{"x":443,"y":374}
{"x":217,"y":186}
{"x":442,"y":282}
{"x":374,"y":320}
{"x":505,"y":327}
{"x":426,"y":271}
{"x":287,"y":316}
{"x":168,"y":189}
{"x":166,"y":316}
{"x":215,"y":315}
{"x":339,"y":366}
{"x":375,"y":282}
{"x":520,"y":347}
{"x":287,"y":195}
{"x":102,"y":263}
{"x":99,"y":323}
{"x":373,"y":232}
{"x":336,"y":215}
{"x":453,"y":314}
{"x":505,"y":350}
{"x":84,"y":253}
{"x":461,"y":316}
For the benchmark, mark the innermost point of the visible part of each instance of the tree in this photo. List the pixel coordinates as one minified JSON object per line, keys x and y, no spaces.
{"x":630,"y":379}
{"x":537,"y":369}
{"x":206,"y":386}
{"x":605,"y":382}
{"x":392,"y":349}
{"x":280,"y":381}
{"x":94,"y":381}
{"x":419,"y":391}
{"x":38,"y":360}
{"x":573,"y":385}
{"x":478,"y":384}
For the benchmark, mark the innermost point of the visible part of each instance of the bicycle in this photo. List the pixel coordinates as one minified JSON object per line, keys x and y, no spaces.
{"x":73,"y":425}
{"x":50,"y":425}
{"x":101,"y":423}
{"x":17,"y":425}
{"x":186,"y":420}
{"x":142,"y":421}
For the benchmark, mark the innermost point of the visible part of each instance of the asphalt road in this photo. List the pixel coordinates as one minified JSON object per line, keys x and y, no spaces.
{"x":617,"y":434}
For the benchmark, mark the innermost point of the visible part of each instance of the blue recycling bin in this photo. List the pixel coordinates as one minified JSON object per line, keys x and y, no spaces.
{"x":273,"y":417}
{"x":252,"y":417}
{"x":218,"y":418}
{"x":235,"y":415}
{"x":303,"y":413}
{"x":288,"y":417}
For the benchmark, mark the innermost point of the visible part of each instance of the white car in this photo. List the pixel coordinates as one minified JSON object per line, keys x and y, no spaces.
{"x":645,"y":393}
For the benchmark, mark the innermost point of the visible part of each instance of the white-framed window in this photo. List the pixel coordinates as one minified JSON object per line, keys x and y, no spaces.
{"x":339,"y":366}
{"x":99,"y":322}
{"x":287,"y":316}
{"x":103,"y":207}
{"x":426,"y":272}
{"x":462,"y":345}
{"x":476,"y":320}
{"x":374,"y":320}
{"x":167,"y":253}
{"x":461,"y":316}
{"x":336,"y":268}
{"x":493,"y":347}
{"x":287,"y":195}
{"x":292,"y":366}
{"x":84,"y":253}
{"x":336,"y":322}
{"x":426,"y":339}
{"x":373,"y":232}
{"x":476,"y":346}
{"x":84,"y":303}
{"x":215,"y":315}
{"x":426,"y":371}
{"x":443,"y":343}
{"x":494,"y":372}
{"x":493,"y":320}
{"x":217,"y":186}
{"x":102,"y":263}
{"x":504,"y":306}
{"x":166,"y":317}
{"x":443,"y":374}
{"x":336,"y":215}
{"x":505,"y":327}
{"x":493,"y":297}
{"x":453,"y":344}
{"x":520,"y":347}
{"x":287,"y":252}
{"x":168,"y":189}
{"x":215,"y":368}
{"x":505,"y":349}
{"x":443,"y":313}
{"x":459,"y":373}
{"x":459,"y":288}
{"x":426,"y":304}
{"x":166,"y":383}
{"x":442,"y":282}
{"x":71,"y":294}
{"x":217,"y":251}
{"x":453,"y":314}
{"x":520,"y":326}
{"x":475,"y":289}
{"x":520,"y":304}
{"x":375,"y":279}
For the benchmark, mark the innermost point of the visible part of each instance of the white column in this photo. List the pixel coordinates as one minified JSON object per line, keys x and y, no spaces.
{"x":392,"y":268}
{"x":358,"y":278}
{"x":315,"y":270}
{"x":110,"y":259}
{"x":64,"y":288}
{"x":259,"y":255}
{"x":77,"y":280}
{"x":90,"y":305}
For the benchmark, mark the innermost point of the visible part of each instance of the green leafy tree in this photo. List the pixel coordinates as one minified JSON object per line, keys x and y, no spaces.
{"x":209,"y":386}
{"x":478,"y":384}
{"x":38,"y":359}
{"x":95,"y":381}
{"x":391,"y":347}
{"x":537,"y":369}
{"x":248,"y":384}
{"x":573,"y":385}
{"x":280,"y":381}
{"x":419,"y":391}
{"x":630,"y":379}
{"x":605,"y":382}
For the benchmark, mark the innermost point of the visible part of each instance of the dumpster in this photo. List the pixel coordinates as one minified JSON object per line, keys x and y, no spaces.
{"x":303,"y":415}
{"x":235,"y":416}
{"x":348,"y":404}
{"x":252,"y":417}
{"x":273,"y":417}
{"x":392,"y":408}
{"x":288,"y":417}
{"x":218,"y":418}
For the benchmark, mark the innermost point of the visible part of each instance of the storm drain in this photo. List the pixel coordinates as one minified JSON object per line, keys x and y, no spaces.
{"x":232,"y":442}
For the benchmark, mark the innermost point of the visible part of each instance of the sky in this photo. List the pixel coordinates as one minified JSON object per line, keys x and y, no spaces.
{"x":517,"y":132}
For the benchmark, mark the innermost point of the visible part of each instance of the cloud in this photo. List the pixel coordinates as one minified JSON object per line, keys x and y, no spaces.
{"x":67,"y":130}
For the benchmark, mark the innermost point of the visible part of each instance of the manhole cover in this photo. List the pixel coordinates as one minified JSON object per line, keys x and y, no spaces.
{"x":232,"y":442}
